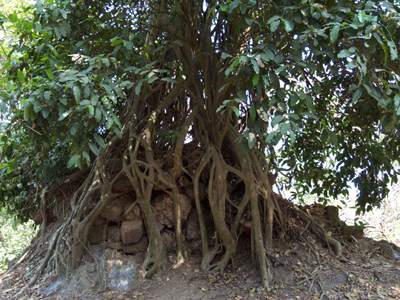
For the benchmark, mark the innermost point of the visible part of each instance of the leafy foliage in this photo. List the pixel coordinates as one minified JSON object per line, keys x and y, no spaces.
{"x":315,"y":82}
{"x":14,"y":238}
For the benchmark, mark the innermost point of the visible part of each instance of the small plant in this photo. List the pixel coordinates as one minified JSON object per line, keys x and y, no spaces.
{"x":14,"y":238}
{"x":360,"y":223}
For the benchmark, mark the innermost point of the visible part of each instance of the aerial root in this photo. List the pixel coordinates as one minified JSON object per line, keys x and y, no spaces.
{"x":153,"y":263}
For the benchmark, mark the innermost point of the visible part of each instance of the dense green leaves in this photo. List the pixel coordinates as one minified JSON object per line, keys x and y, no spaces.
{"x":330,"y":93}
{"x":314,"y":85}
{"x":334,"y":34}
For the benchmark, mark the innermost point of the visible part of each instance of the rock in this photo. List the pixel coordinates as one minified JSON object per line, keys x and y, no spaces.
{"x":140,"y":246}
{"x":132,"y":214}
{"x":159,"y":226}
{"x":169,"y":240}
{"x":332,"y":213}
{"x":121,"y":274}
{"x":332,"y":279}
{"x":352,"y":231}
{"x":114,"y":245}
{"x":316,"y":210}
{"x":53,"y":287}
{"x":100,"y":221}
{"x":164,"y":209}
{"x":131,"y":231}
{"x":386,"y":249}
{"x":113,"y":234}
{"x":192,"y":227}
{"x":113,"y":211}
{"x":122,"y":185}
{"x":96,"y":234}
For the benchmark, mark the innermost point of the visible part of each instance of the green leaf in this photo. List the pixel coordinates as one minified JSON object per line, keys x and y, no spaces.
{"x":106,"y":62}
{"x":356,"y":95}
{"x":94,"y":149}
{"x":50,"y":74}
{"x":233,"y":5}
{"x":99,"y":140}
{"x":252,"y":113}
{"x":225,"y":55}
{"x":64,"y":115}
{"x":98,"y":114}
{"x":224,"y":8}
{"x":117,"y":132}
{"x":394,"y":55}
{"x":251,"y":140}
{"x":85,"y":102}
{"x":389,"y":123}
{"x":383,"y":46}
{"x":267,"y":55}
{"x":284,"y":127}
{"x":273,"y":23}
{"x":21,"y":76}
{"x":45,"y":113}
{"x":37,"y":107}
{"x":221,"y":108}
{"x":333,"y":138}
{"x":86,"y":156}
{"x":94,"y":99}
{"x":396,"y":101}
{"x":46,"y":95}
{"x":86,"y":91}
{"x":255,"y":80}
{"x":289,"y":26}
{"x":276,"y":119}
{"x":63,"y":100}
{"x":334,"y":34}
{"x":28,"y":112}
{"x":91,"y":110}
{"x":77,"y":93}
{"x":115,"y":41}
{"x":256,"y":67}
{"x":232,"y":67}
{"x":236,"y":111}
{"x":53,"y":50}
{"x":74,"y":129}
{"x":273,"y":138}
{"x":372,"y":91}
{"x":344,"y":53}
{"x":138,"y":87}
{"x":74,"y":161}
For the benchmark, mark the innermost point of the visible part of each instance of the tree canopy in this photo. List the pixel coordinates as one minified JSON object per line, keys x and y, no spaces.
{"x":305,"y":89}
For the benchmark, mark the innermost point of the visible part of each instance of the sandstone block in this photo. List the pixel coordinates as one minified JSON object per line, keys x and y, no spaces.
{"x":164,"y":209}
{"x":131,"y":231}
{"x":96,"y":234}
{"x":113,"y":234}
{"x":140,"y":246}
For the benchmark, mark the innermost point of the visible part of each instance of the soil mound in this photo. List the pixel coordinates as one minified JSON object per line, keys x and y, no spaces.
{"x":303,"y":267}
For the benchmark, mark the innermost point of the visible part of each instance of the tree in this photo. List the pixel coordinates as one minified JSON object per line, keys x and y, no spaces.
{"x":220,"y":93}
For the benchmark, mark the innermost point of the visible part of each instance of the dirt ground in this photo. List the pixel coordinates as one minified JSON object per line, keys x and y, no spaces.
{"x":301,"y":270}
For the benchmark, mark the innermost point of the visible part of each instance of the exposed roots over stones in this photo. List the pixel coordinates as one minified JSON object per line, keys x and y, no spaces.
{"x":229,"y":190}
{"x":174,"y":143}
